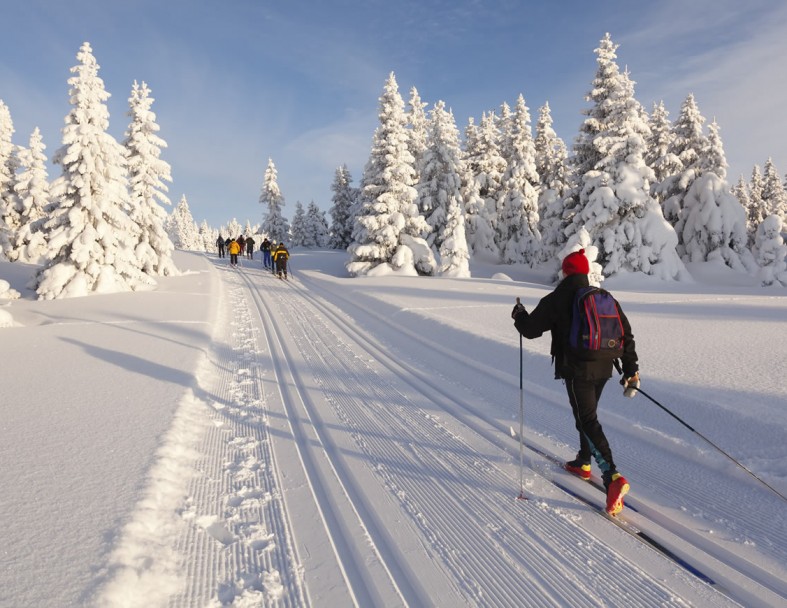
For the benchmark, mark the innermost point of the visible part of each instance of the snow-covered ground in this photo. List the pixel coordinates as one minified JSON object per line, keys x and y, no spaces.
{"x":230,"y":438}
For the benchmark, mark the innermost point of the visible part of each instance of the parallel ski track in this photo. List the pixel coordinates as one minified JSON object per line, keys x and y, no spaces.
{"x":675,"y":541}
{"x":244,"y":501}
{"x":479,"y":571}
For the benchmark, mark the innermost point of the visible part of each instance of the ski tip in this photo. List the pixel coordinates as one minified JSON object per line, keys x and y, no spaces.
{"x":521,"y":496}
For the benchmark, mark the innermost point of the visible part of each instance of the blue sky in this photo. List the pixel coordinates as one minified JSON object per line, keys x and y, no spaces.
{"x":241,"y":81}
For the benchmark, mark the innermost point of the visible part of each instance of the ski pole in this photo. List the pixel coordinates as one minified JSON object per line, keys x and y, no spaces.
{"x":521,"y":422}
{"x":701,"y":436}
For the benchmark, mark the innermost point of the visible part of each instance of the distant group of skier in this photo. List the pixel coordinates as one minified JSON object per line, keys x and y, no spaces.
{"x":274,"y":257}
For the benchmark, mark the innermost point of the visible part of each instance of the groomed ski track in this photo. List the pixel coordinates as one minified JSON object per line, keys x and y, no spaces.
{"x":336,"y":472}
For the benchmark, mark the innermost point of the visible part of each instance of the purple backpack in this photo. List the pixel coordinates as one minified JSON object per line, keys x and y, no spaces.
{"x":596,"y":329}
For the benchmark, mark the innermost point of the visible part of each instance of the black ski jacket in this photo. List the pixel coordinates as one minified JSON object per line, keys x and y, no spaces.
{"x":553,"y":314}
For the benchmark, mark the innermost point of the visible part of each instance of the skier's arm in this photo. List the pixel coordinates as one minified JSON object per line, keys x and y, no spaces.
{"x":629,"y":358}
{"x":534,"y":324}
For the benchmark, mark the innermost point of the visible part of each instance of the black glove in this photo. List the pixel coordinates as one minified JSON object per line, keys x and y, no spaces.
{"x":518,"y":309}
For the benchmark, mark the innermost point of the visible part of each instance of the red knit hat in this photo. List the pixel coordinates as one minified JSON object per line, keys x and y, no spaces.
{"x":576,"y":263}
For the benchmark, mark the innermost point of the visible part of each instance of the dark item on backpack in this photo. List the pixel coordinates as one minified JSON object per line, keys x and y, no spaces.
{"x":596,"y":328}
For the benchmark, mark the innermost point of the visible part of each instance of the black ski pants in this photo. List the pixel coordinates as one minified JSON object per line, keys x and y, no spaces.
{"x":584,"y":396}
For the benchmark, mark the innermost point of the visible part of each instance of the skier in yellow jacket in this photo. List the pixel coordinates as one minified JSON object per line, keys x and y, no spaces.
{"x":234,"y":250}
{"x":280,"y":257}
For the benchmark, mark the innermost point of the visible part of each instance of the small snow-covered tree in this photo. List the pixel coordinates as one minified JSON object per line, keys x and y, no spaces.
{"x":388,"y":230}
{"x":454,"y":254}
{"x":29,"y":244}
{"x":274,"y":224}
{"x":9,"y":210}
{"x":660,"y":155}
{"x":517,"y":208}
{"x":182,"y":229}
{"x":298,"y":226}
{"x":551,"y":157}
{"x":581,"y":240}
{"x":771,"y":252}
{"x":234,"y":229}
{"x":774,"y":197}
{"x":478,"y":216}
{"x":90,"y":236}
{"x":688,"y":144}
{"x":316,"y":232}
{"x":416,"y":118}
{"x":440,"y":171}
{"x":344,"y":200}
{"x":147,"y":172}
{"x":713,"y":225}
{"x":615,"y":205}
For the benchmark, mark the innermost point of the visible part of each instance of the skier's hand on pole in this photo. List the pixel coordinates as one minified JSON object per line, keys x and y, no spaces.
{"x":518,"y":309}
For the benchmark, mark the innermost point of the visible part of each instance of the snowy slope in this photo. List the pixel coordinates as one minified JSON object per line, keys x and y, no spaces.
{"x":235,"y":439}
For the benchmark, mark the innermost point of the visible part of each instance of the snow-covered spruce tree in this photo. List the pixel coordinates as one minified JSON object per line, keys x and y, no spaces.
{"x":416,"y":118}
{"x":316,"y":226}
{"x":774,"y":197}
{"x":440,"y":170}
{"x":207,"y":238}
{"x":274,"y":224}
{"x":478,"y":224}
{"x":581,"y":240}
{"x":714,"y":160}
{"x":713,"y":225}
{"x":388,"y":230}
{"x":147,"y":172}
{"x":689,"y":145}
{"x":551,"y":160}
{"x":741,"y":192}
{"x":771,"y":252}
{"x":182,"y":229}
{"x":298,"y":226}
{"x":234,"y":229}
{"x":660,"y":155}
{"x":31,"y":185}
{"x":344,"y":199}
{"x":517,"y":216}
{"x":615,"y":205}
{"x":454,"y":254}
{"x":756,"y":209}
{"x":9,"y":210}
{"x":90,"y":236}
{"x":489,"y":167}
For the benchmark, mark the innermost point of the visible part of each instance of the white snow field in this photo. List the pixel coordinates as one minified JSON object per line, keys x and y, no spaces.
{"x":234,"y":439}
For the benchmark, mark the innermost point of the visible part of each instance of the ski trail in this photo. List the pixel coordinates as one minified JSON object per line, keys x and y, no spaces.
{"x":435,"y":478}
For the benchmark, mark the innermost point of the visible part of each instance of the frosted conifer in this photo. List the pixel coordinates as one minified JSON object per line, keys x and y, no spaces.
{"x":388,"y":231}
{"x":90,"y":236}
{"x":147,"y":172}
{"x":551,"y":157}
{"x":478,"y":215}
{"x":9,"y":208}
{"x":274,"y":224}
{"x":344,"y":200}
{"x":29,"y":244}
{"x":298,"y":226}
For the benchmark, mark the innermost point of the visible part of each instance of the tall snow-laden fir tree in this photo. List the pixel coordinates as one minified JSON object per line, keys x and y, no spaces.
{"x":298,"y":226}
{"x":714,"y":160}
{"x":91,"y":238}
{"x":489,"y":167}
{"x":344,"y":199}
{"x":147,"y":172}
{"x":316,"y":231}
{"x":274,"y":224}
{"x":713,"y":225}
{"x":771,"y":252}
{"x":774,"y":197}
{"x":660,"y":155}
{"x":517,"y":216}
{"x":440,"y":170}
{"x":478,"y":222}
{"x":551,"y":158}
{"x":689,"y":145}
{"x":9,"y":210}
{"x":29,"y":244}
{"x":416,"y":118}
{"x":615,"y":205}
{"x":388,"y":231}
